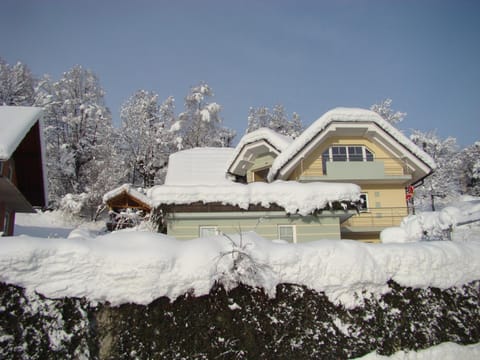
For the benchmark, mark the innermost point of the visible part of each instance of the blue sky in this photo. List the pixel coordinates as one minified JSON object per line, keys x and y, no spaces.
{"x":310,"y":56}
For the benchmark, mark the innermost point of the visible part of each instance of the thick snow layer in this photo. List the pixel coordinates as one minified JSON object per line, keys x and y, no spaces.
{"x":137,"y":266}
{"x":129,"y":189}
{"x":347,"y":115}
{"x":294,"y":197}
{"x":434,"y":224}
{"x":140,"y":266}
{"x":198,"y":166}
{"x":15,"y":122}
{"x":445,"y":351}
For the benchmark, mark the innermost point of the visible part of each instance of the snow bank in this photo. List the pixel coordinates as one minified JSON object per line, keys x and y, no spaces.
{"x":294,"y":197}
{"x":135,"y":266}
{"x":434,"y":224}
{"x":445,"y":351}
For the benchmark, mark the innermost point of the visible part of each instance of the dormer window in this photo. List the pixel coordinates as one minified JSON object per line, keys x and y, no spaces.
{"x":347,"y":153}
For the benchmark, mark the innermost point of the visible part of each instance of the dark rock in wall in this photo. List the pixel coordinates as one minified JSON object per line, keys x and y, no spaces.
{"x":240,"y":324}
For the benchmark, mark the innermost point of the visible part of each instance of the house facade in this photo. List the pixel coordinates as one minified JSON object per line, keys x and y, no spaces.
{"x":23,"y":182}
{"x":349,"y":145}
{"x":344,"y":177}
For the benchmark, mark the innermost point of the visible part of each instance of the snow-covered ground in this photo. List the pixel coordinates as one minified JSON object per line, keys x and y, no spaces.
{"x":57,"y":258}
{"x":445,"y":351}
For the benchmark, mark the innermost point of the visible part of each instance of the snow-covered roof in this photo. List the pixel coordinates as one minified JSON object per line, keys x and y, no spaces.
{"x":352,"y":115}
{"x":294,"y":197}
{"x":198,"y":166}
{"x":15,"y":122}
{"x":279,"y":141}
{"x":130,"y":190}
{"x":274,"y":141}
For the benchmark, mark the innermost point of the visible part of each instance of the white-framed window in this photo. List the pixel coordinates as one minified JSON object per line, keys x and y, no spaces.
{"x":287,"y":233}
{"x":347,"y":153}
{"x":363,"y":202}
{"x":207,"y":231}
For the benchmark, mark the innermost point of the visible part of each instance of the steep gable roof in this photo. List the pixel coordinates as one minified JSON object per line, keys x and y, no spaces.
{"x":127,"y":189}
{"x":21,"y":139}
{"x":253,"y":144}
{"x":15,"y":122}
{"x":290,"y":155}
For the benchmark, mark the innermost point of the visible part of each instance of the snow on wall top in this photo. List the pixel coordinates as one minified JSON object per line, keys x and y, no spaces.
{"x":198,"y":166}
{"x":294,"y":197}
{"x":278,"y":141}
{"x":345,"y":115}
{"x":129,"y":189}
{"x":15,"y":122}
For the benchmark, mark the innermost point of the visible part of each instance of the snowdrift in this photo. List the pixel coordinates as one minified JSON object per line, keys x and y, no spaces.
{"x":138,"y":267}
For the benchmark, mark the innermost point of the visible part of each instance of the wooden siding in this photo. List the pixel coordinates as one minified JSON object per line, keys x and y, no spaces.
{"x":185,"y":226}
{"x":261,"y":163}
{"x":386,"y":202}
{"x":312,"y":166}
{"x":386,"y":208}
{"x":29,"y":169}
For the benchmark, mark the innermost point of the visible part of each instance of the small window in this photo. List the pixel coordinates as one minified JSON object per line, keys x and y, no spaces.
{"x":363,"y":202}
{"x":1,"y":168}
{"x":287,"y":233}
{"x":208,"y":231}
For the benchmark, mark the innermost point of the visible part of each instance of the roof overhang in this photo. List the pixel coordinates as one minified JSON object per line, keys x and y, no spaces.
{"x":368,"y":129}
{"x":245,"y":158}
{"x":12,"y":198}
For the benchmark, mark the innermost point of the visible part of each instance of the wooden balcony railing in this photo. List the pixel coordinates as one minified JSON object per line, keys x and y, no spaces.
{"x":377,"y":218}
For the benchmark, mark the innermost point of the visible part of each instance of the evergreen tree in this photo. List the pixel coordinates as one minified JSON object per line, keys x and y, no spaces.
{"x":276,"y":119}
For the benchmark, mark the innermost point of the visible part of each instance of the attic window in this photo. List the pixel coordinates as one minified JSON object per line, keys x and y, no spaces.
{"x":347,"y":153}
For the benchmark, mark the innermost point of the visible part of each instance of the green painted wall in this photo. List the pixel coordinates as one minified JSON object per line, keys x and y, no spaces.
{"x":185,"y":226}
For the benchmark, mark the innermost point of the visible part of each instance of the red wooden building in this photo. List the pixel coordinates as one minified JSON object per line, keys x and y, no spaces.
{"x":23,"y":182}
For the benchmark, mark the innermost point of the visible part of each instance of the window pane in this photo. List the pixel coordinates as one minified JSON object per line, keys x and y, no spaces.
{"x":207,"y":231}
{"x":339,"y":153}
{"x":355,"y":153}
{"x":369,"y":155}
{"x":285,"y":232}
{"x":363,"y":202}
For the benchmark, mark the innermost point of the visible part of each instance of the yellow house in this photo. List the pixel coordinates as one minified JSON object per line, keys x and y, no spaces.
{"x":346,"y":145}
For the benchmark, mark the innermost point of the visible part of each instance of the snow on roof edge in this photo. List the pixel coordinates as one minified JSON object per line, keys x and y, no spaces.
{"x":294,"y":197}
{"x":16,"y":121}
{"x":347,"y":115}
{"x":129,"y":189}
{"x":278,"y":141}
